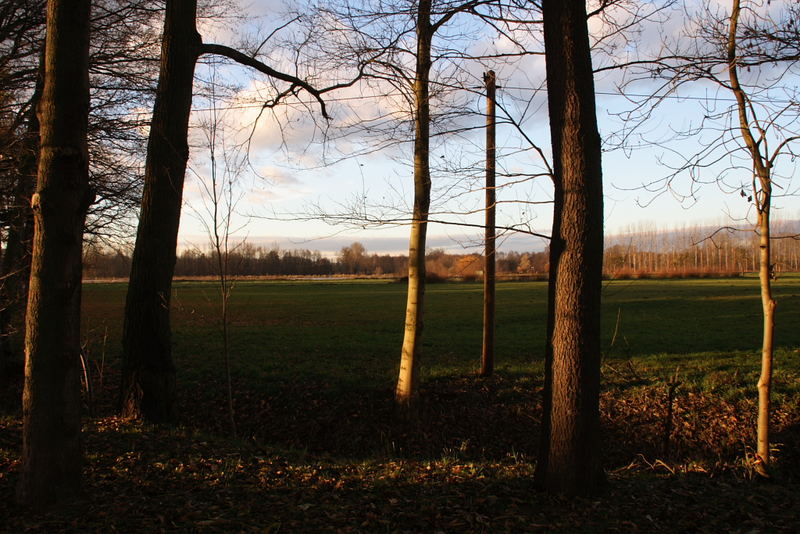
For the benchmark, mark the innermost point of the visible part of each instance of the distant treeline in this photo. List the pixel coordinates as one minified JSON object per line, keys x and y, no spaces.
{"x":638,"y":254}
{"x":698,"y":251}
{"x":250,"y":260}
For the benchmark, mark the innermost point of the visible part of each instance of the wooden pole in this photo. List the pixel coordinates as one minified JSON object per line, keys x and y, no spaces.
{"x":487,"y":355}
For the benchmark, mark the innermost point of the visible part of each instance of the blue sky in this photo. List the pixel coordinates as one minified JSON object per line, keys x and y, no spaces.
{"x":292,"y":176}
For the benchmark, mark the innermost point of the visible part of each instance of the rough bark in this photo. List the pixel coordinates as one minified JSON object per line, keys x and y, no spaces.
{"x":51,"y":455}
{"x":569,"y":457}
{"x":487,"y":354}
{"x":407,"y":382}
{"x":148,"y":371}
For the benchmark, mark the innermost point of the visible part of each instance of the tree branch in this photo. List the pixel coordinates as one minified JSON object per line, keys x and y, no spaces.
{"x":244,"y":59}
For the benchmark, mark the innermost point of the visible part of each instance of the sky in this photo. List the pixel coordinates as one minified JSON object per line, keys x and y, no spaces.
{"x":290,"y":186}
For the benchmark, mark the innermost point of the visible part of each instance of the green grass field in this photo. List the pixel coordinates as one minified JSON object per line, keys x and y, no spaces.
{"x":349,"y":332}
{"x":320,"y":449}
{"x":304,"y":352}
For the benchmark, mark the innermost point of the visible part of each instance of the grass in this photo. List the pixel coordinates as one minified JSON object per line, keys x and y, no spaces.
{"x":314,"y":368}
{"x":350,"y":332}
{"x":304,"y":352}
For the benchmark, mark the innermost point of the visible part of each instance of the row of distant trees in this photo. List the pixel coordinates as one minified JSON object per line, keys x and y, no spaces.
{"x":699,"y":251}
{"x":250,"y":260}
{"x":642,"y":253}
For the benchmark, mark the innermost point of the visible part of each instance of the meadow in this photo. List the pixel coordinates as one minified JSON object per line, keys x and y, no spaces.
{"x":348,"y":331}
{"x":320,"y":449}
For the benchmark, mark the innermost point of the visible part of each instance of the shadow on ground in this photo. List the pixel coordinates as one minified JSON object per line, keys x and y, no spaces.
{"x":311,"y":458}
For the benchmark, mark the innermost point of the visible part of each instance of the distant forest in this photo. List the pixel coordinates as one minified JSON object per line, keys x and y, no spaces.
{"x":645,"y":252}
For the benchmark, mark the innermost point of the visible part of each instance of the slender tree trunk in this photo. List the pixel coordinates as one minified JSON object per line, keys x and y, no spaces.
{"x":412,"y":339}
{"x":148,"y":372}
{"x":487,"y":355}
{"x":220,"y":236}
{"x":225,"y":283}
{"x":762,"y":194}
{"x":51,"y":448}
{"x":765,"y":380}
{"x":569,"y":459}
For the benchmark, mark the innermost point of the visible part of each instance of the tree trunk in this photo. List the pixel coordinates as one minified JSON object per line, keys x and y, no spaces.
{"x":412,"y":339}
{"x":569,"y":457}
{"x":51,"y":449}
{"x":487,"y":354}
{"x":762,"y":194}
{"x":148,"y":372}
{"x":768,"y":305}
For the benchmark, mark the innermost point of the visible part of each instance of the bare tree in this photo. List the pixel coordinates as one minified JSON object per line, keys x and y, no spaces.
{"x":412,"y":336}
{"x":15,"y":264}
{"x":219,"y":200}
{"x":754,"y":136}
{"x":744,"y":53}
{"x":51,"y":454}
{"x":121,"y":78}
{"x":21,"y":65}
{"x":399,"y":39}
{"x":148,"y":378}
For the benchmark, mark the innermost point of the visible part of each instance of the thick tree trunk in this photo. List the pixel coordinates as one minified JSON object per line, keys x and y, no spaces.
{"x":148,"y":372}
{"x":487,"y":353}
{"x":569,"y":458}
{"x":412,"y":339}
{"x":51,"y":450}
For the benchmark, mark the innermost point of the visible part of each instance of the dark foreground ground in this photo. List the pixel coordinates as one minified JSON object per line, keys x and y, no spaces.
{"x":318,"y":448}
{"x":332,"y":469}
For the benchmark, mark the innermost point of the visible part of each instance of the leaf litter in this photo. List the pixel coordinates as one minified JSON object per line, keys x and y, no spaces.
{"x":317,"y":459}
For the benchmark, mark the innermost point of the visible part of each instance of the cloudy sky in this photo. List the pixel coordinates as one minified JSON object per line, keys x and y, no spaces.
{"x":302,"y":182}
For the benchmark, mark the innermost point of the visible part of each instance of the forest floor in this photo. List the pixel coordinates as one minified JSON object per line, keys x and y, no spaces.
{"x":456,"y":470}
{"x":319,"y":448}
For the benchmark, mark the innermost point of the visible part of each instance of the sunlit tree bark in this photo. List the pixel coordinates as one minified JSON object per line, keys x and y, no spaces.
{"x":412,"y":338}
{"x":569,"y":460}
